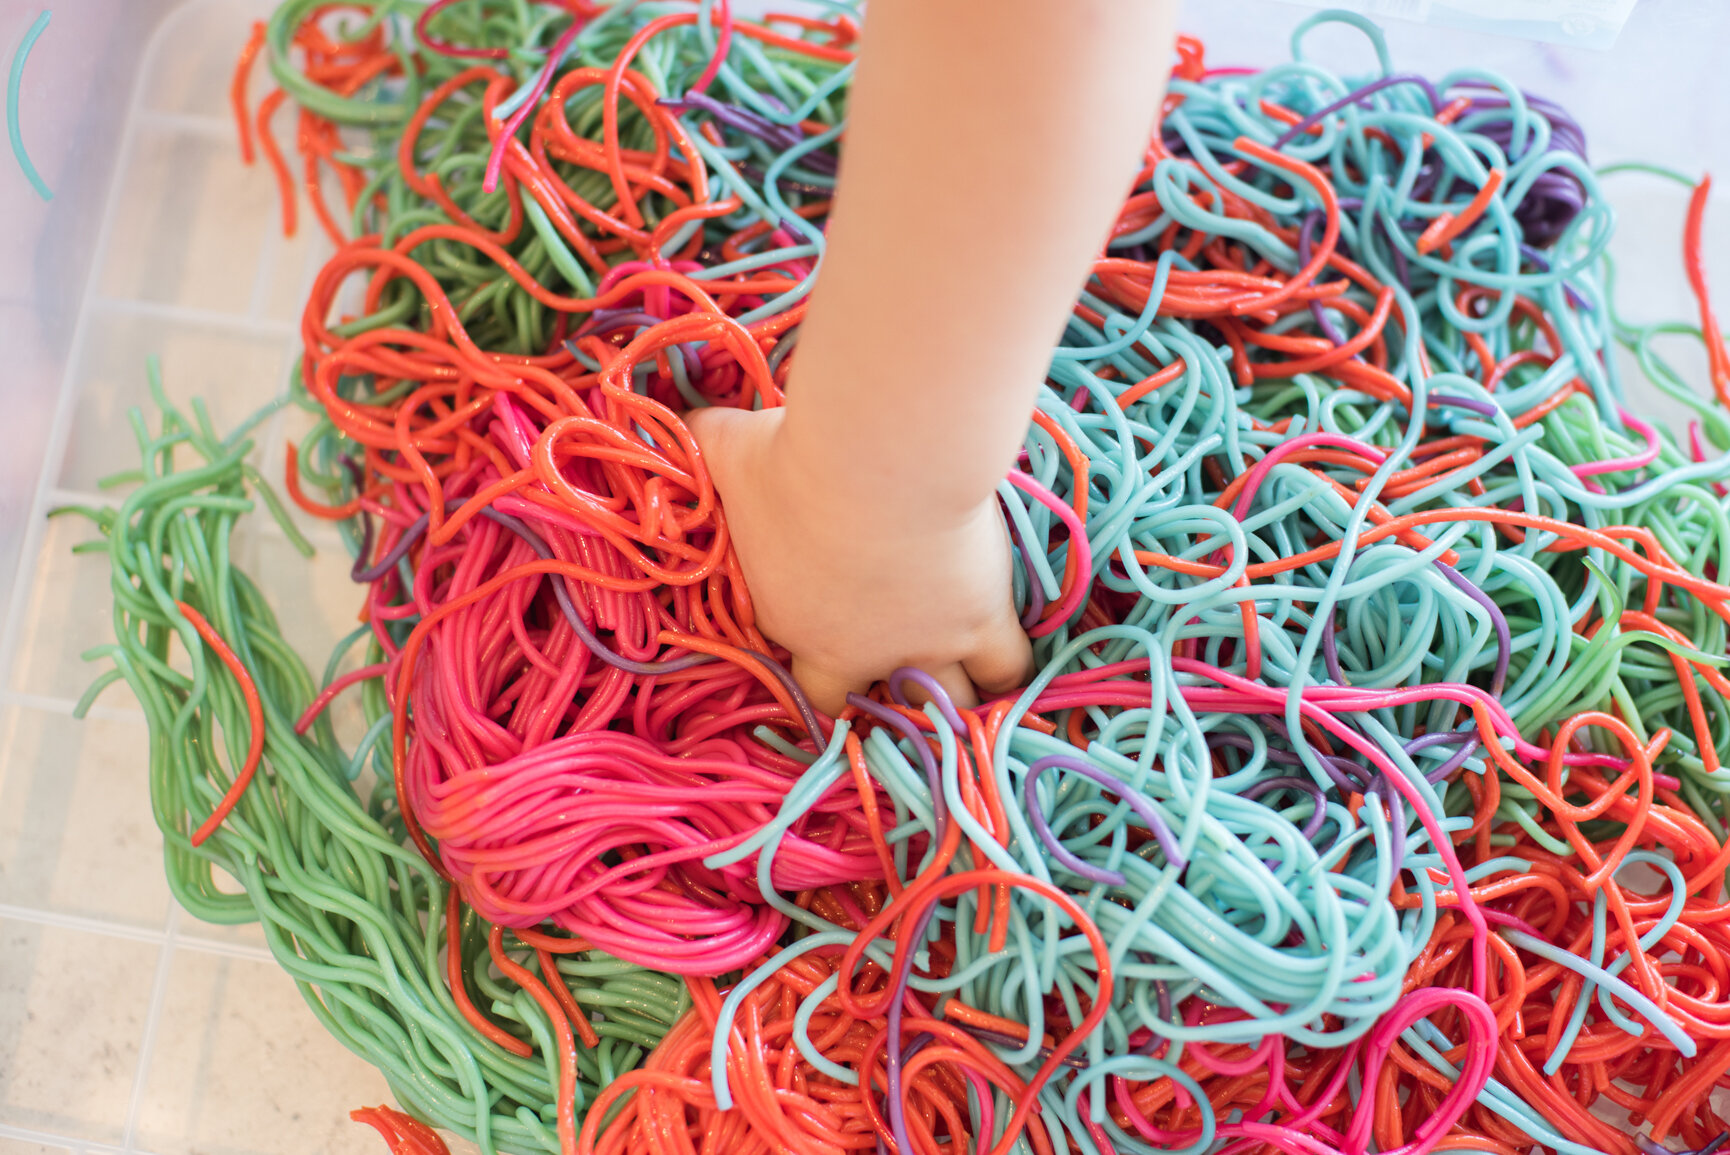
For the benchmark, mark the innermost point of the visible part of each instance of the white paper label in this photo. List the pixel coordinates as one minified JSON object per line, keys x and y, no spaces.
{"x":1586,"y":23}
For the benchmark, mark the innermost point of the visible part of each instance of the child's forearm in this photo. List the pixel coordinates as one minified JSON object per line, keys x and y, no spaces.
{"x":989,"y":144}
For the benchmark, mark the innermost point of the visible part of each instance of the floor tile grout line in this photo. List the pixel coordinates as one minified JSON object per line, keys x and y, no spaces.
{"x":215,"y":946}
{"x":84,"y":924}
{"x":152,"y":1021}
{"x":72,"y":1143}
{"x":48,"y":704}
{"x":193,"y":317}
{"x":188,"y":122}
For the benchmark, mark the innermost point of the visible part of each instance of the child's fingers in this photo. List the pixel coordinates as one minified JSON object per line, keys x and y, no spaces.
{"x":955,"y":683}
{"x":722,"y":434}
{"x":1003,"y":659}
{"x":827,"y":688}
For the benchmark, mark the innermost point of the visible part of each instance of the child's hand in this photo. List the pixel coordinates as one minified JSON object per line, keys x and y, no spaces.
{"x":854,"y":600}
{"x":864,"y":512}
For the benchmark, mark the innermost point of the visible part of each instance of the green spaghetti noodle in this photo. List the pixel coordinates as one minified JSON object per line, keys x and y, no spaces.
{"x":350,"y":910}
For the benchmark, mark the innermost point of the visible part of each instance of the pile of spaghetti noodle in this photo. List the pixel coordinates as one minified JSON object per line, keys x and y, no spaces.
{"x":1369,"y":794}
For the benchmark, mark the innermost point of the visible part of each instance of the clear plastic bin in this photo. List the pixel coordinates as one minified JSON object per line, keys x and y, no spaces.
{"x":125,"y":1025}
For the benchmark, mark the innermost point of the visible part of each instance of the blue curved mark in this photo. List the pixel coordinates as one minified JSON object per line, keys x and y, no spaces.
{"x":13,"y":83}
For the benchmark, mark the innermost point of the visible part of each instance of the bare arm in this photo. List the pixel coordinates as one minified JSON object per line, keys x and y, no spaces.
{"x":989,"y":145}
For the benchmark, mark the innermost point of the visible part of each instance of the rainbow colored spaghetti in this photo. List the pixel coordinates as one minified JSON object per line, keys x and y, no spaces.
{"x":1369,"y":795}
